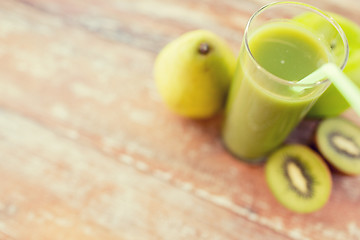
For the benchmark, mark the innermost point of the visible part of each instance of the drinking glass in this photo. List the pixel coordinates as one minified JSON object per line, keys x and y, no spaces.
{"x":264,"y":102}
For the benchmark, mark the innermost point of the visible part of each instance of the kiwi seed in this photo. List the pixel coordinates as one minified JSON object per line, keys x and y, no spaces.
{"x":344,"y":145}
{"x":300,"y":181}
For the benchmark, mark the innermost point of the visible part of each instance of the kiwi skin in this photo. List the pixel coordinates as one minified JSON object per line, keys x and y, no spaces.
{"x":339,"y":161}
{"x":306,"y":165}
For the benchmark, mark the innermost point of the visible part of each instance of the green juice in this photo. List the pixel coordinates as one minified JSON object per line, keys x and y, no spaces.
{"x":261,"y":111}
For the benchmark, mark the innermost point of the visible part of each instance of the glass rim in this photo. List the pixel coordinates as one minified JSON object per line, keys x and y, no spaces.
{"x":310,"y":8}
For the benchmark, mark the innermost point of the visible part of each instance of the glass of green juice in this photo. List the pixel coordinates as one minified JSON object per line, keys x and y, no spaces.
{"x":264,"y":103}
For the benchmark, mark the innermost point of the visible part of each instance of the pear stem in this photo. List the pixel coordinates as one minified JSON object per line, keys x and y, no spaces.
{"x":204,"y":48}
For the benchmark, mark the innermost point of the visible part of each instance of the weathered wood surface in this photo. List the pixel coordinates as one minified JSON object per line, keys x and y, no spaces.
{"x":88,"y":150}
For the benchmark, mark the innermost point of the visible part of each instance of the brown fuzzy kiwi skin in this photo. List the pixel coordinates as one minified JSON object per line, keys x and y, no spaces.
{"x":316,"y":146}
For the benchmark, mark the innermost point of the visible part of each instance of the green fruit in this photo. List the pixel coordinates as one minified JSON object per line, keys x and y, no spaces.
{"x":352,"y":68}
{"x":332,"y":103}
{"x":193,"y":74}
{"x":339,"y":142}
{"x":298,"y":178}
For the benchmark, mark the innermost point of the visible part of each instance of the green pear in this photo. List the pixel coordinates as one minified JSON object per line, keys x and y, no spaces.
{"x":332,"y":103}
{"x":193,"y":74}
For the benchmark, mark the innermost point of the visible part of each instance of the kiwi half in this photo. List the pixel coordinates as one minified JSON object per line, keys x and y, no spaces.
{"x":298,"y":178}
{"x":338,"y":140}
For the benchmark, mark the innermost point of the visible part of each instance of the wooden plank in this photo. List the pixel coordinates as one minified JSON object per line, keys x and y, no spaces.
{"x":83,"y":70}
{"x":66,"y":190}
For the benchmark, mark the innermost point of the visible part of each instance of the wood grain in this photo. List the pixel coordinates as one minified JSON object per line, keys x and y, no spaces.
{"x":89,"y":151}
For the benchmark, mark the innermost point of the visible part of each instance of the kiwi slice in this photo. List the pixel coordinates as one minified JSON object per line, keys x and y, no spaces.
{"x":338,"y":140}
{"x":298,"y":178}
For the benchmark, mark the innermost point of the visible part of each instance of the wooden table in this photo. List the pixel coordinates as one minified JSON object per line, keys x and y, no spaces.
{"x":89,"y":151}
